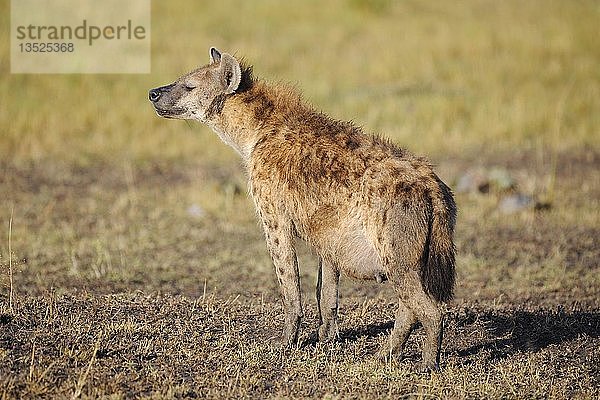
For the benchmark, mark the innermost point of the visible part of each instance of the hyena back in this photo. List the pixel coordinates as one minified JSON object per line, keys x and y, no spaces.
{"x":369,"y":209}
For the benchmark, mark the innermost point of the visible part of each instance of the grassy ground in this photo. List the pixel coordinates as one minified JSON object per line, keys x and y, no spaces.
{"x":139,"y":269}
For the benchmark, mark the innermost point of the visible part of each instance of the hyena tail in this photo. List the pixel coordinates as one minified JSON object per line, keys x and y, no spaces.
{"x":437,"y":268}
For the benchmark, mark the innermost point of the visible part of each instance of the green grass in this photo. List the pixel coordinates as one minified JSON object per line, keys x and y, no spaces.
{"x":437,"y":77}
{"x":140,"y":269}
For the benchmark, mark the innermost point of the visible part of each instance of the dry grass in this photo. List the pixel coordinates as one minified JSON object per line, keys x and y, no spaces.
{"x":157,"y":346}
{"x":140,"y":271}
{"x":124,"y":290}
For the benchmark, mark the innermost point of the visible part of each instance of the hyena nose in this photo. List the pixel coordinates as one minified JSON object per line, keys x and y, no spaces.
{"x":154,"y":95}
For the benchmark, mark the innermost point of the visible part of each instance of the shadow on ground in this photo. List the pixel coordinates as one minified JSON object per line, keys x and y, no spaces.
{"x":510,"y":332}
{"x":497,"y":333}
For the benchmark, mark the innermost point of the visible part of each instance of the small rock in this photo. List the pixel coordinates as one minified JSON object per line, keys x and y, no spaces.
{"x":500,"y":179}
{"x":464,"y":184}
{"x":516,"y":202}
{"x":472,"y":181}
{"x":484,"y":181}
{"x":196,"y":211}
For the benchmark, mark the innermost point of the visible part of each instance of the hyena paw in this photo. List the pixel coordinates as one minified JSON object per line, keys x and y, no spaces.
{"x":328,"y":332}
{"x":429,"y":367}
{"x":385,"y":354}
{"x":289,"y":337}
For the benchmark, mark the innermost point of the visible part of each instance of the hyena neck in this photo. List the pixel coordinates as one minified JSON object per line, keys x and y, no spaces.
{"x":240,"y":136}
{"x":245,"y":118}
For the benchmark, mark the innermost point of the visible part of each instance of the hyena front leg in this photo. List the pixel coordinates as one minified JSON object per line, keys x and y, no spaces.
{"x":327,"y":300}
{"x":280,"y":243}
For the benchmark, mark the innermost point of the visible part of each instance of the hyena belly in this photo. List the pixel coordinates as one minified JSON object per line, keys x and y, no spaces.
{"x":346,"y":245}
{"x":357,"y":258}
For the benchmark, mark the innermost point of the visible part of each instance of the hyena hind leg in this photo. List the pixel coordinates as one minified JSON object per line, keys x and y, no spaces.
{"x":405,"y":321}
{"x":327,"y":300}
{"x":429,"y":313}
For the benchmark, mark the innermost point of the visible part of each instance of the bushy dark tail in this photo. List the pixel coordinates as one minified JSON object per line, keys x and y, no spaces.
{"x":437,"y":268}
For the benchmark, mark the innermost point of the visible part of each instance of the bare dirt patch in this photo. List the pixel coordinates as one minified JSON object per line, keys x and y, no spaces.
{"x":153,"y":281}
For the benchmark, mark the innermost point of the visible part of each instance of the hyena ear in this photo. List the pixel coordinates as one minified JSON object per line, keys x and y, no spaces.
{"x":231,"y":73}
{"x":215,"y":55}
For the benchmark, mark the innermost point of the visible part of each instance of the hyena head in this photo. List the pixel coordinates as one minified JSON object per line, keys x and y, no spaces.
{"x":195,"y":94}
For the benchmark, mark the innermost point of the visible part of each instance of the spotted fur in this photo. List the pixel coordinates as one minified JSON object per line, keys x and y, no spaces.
{"x":369,"y":209}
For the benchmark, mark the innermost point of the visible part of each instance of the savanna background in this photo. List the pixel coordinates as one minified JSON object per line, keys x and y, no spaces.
{"x":132,"y":265}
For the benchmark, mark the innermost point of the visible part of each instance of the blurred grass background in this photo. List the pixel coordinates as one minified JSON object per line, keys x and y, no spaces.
{"x":441,"y":78}
{"x":115,"y":212}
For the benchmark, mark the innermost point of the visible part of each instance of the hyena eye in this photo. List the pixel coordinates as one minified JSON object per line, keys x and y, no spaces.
{"x":189,"y":87}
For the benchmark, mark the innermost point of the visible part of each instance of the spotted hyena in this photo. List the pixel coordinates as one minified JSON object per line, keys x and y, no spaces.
{"x":369,"y":209}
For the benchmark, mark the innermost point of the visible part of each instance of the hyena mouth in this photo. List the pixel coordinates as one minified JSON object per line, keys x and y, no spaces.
{"x":169,"y":113}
